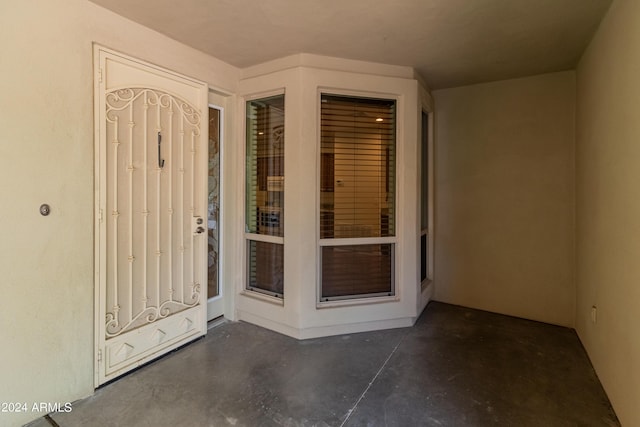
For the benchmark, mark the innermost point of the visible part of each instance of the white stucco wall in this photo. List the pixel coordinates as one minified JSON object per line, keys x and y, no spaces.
{"x":46,"y":156}
{"x":505,"y":197}
{"x":608,"y":206}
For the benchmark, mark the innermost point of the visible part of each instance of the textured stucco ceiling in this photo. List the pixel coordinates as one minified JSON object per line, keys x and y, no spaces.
{"x":449,"y":42}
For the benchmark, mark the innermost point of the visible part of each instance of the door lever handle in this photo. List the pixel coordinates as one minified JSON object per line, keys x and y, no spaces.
{"x":197,"y":225}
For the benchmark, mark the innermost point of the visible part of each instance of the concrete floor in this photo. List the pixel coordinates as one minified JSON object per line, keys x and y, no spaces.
{"x":455,"y":367}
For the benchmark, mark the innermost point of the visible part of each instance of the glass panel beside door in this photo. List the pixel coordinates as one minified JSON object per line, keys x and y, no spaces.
{"x":213,"y":201}
{"x":215,"y":306}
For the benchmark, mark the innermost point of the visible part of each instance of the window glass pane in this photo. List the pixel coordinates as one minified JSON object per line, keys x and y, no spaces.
{"x":357,"y":164}
{"x":266,"y":267}
{"x":265,"y":166}
{"x":423,"y":257}
{"x":357,"y":270}
{"x":213,"y":216}
{"x":424,"y":173}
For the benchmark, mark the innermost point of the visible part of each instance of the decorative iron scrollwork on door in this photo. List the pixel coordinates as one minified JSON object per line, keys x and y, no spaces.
{"x":152,"y":258}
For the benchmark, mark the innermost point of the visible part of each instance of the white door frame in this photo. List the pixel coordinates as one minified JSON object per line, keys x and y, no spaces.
{"x":216,"y":306}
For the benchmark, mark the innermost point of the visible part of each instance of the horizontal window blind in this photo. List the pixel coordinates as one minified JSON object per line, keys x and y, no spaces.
{"x":357,"y":195}
{"x":264,"y":195}
{"x":424,"y":172}
{"x":357,"y":270}
{"x":265,"y":166}
{"x":358,"y":162}
{"x":266,"y":268}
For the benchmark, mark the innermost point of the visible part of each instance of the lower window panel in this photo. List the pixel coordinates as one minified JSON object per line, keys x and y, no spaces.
{"x":266,"y":268}
{"x":357,"y":271}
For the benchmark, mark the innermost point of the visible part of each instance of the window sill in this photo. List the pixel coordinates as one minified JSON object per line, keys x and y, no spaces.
{"x":357,"y":301}
{"x":263,"y":297}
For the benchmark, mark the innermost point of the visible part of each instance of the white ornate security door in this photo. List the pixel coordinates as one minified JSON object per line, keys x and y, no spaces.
{"x":151,"y":207}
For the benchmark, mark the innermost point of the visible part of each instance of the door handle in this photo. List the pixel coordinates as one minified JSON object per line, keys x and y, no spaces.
{"x":160,"y":160}
{"x":197,"y":225}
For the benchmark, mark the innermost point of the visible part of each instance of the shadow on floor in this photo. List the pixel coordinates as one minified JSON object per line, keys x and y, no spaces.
{"x":455,"y":367}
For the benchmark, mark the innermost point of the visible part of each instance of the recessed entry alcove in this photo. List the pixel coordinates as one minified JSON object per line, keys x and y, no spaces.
{"x":336,"y":196}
